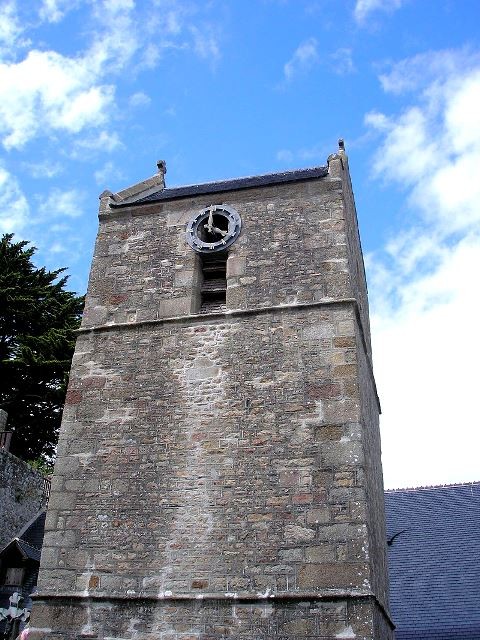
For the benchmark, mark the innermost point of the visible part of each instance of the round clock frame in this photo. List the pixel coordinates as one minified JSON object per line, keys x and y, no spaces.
{"x":213,"y":229}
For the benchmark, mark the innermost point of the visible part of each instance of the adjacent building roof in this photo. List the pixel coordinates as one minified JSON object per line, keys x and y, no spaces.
{"x":434,"y":561}
{"x":32,"y":553}
{"x":226,"y":185}
{"x":30,"y":539}
{"x":33,"y":531}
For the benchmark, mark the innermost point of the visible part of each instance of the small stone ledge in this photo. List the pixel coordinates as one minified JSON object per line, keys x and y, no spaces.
{"x":242,"y":596}
{"x":203,"y":317}
{"x":324,"y":595}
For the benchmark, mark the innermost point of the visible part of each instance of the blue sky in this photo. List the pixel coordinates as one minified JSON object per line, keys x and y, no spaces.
{"x":93,"y":93}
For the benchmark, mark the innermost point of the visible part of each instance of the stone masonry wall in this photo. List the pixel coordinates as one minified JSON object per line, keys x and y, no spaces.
{"x":255,"y":486}
{"x":252,"y":485}
{"x":144,"y":270}
{"x":370,"y":406}
{"x":21,"y":495}
{"x":214,"y":619}
{"x":373,"y":475}
{"x":211,"y":478}
{"x":338,"y":164}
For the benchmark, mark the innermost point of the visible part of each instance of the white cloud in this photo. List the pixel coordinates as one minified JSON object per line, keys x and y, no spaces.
{"x":304,"y":57}
{"x":423,"y":286}
{"x":117,"y":6}
{"x":139,"y":99}
{"x":428,"y":70}
{"x":205,"y":43}
{"x":48,"y":92}
{"x":284,"y":155}
{"x":115,"y":46}
{"x":433,"y":147}
{"x":60,"y":244}
{"x":69,"y":95}
{"x":425,"y":354}
{"x":10,"y":26}
{"x":15,"y":210}
{"x":46,"y":169}
{"x":304,"y":155}
{"x":172,"y":22}
{"x":342,"y":61}
{"x":61,"y":203}
{"x":363,"y":8}
{"x":50,"y":228}
{"x":107,"y":173}
{"x":54,"y":10}
{"x":171,"y":17}
{"x":151,"y":56}
{"x":106,"y":141}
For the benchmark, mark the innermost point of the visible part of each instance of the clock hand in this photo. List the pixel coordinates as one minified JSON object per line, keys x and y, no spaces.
{"x":220,"y":231}
{"x":209,"y":224}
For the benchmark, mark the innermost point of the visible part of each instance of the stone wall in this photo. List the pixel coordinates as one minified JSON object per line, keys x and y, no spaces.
{"x":144,"y":270}
{"x":369,"y":402}
{"x":338,"y":165}
{"x":214,"y":472}
{"x":214,"y":619}
{"x":21,"y":495}
{"x":252,"y":485}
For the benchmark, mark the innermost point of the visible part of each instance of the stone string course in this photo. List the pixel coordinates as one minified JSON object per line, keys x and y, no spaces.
{"x":220,"y":478}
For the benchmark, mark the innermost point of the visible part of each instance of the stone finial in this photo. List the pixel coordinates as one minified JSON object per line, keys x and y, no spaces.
{"x":162,"y":170}
{"x":336,"y":161}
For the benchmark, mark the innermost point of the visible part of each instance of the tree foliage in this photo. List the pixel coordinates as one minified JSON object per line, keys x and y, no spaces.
{"x":38,"y":319}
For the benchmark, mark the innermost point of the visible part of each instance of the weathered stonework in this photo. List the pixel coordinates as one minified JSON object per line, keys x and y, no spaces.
{"x":22,"y":495}
{"x":218,"y":476}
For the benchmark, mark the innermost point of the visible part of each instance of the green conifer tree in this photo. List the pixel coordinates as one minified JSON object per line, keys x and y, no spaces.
{"x":38,"y":319}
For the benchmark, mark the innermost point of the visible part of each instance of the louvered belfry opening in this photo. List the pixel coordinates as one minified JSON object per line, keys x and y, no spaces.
{"x":214,"y":283}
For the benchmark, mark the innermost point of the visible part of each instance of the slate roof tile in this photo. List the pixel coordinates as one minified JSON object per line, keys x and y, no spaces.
{"x":31,"y":552}
{"x":434,"y":563}
{"x":33,"y":535}
{"x":229,"y":185}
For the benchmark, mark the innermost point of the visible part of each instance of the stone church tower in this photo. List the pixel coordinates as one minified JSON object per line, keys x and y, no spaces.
{"x":218,"y":472}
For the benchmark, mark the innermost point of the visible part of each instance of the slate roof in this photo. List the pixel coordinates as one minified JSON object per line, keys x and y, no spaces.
{"x":33,"y":533}
{"x":30,"y":552}
{"x":434,"y":561}
{"x":228,"y":185}
{"x":30,"y":539}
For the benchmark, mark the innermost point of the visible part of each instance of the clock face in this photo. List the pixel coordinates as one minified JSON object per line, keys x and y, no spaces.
{"x":213,"y":229}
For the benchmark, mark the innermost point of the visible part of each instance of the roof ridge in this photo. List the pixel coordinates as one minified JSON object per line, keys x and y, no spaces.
{"x":435,"y":486}
{"x":27,"y":544}
{"x":27,"y":526}
{"x":222,"y":186}
{"x":255,"y":175}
